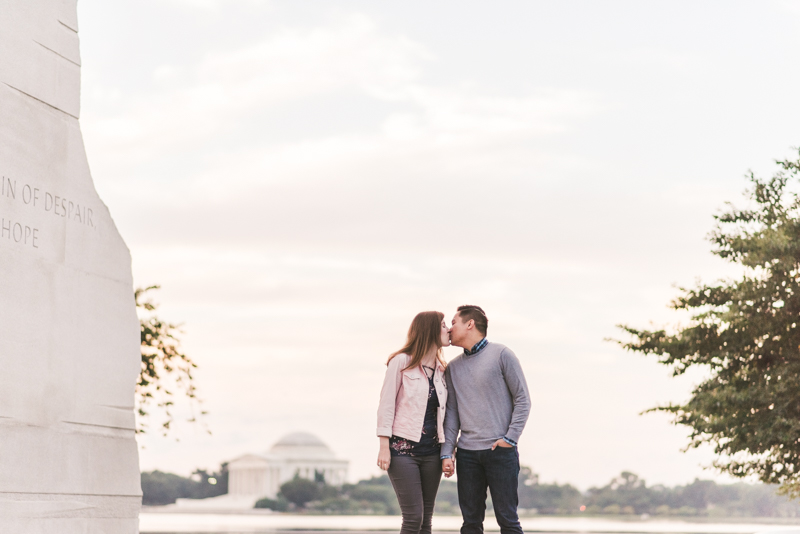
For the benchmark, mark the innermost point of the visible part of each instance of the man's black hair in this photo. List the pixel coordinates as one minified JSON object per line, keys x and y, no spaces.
{"x":476,"y":313}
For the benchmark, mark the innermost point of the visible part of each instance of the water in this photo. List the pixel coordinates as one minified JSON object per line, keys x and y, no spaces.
{"x":253,"y":523}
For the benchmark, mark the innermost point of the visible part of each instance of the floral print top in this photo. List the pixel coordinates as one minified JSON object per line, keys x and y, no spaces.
{"x":428,"y":444}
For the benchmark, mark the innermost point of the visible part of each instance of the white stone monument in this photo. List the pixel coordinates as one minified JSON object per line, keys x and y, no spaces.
{"x":69,"y":337}
{"x":258,"y":475}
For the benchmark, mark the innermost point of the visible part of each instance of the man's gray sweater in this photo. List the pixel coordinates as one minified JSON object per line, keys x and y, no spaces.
{"x":487,"y":399}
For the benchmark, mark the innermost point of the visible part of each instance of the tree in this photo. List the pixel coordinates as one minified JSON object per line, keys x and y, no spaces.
{"x":546,"y":498}
{"x":744,"y":333}
{"x":300,"y":491}
{"x":160,"y":488}
{"x":626,"y":490}
{"x":215,"y":483}
{"x":277,"y":505}
{"x":165,"y":368}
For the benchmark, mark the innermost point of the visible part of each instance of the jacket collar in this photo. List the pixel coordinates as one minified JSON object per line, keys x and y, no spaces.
{"x":418,"y":370}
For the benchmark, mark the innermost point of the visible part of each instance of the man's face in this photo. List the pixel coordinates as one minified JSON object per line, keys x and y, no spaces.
{"x":458,"y":330}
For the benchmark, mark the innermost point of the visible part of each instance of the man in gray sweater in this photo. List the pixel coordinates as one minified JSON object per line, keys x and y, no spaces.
{"x":488,"y":403}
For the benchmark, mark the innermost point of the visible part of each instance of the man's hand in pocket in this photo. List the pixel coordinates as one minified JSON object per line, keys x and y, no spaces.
{"x":501,"y":443}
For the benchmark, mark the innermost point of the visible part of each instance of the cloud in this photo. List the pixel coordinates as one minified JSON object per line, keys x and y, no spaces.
{"x":191,"y":110}
{"x":196,"y":104}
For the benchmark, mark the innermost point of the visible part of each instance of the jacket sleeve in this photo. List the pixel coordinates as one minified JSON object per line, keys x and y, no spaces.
{"x":518,"y":387}
{"x":388,"y":401}
{"x":452,"y":423}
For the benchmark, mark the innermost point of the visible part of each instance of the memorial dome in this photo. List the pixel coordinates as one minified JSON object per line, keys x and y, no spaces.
{"x":300,"y":454}
{"x":301,"y":445}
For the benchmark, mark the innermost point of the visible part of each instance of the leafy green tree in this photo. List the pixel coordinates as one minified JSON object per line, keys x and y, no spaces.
{"x":165,"y":371}
{"x":629,"y":494}
{"x":213,"y":484}
{"x":699,"y":494}
{"x":744,"y":333}
{"x":625,"y":490}
{"x":374,"y":491}
{"x":164,"y":488}
{"x":546,"y":498}
{"x":160,"y":488}
{"x":300,"y":491}
{"x":376,"y":494}
{"x":277,"y":505}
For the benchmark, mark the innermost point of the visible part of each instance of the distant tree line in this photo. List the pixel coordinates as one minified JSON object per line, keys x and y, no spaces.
{"x":626,"y":494}
{"x":371,"y":496}
{"x":160,"y":488}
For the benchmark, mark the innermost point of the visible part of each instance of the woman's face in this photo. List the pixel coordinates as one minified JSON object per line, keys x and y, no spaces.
{"x":445,"y":334}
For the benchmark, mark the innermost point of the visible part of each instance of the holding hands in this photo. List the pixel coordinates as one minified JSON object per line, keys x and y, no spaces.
{"x":448,"y":467}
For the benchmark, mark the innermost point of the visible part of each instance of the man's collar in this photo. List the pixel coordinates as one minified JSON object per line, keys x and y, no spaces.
{"x":476,"y":347}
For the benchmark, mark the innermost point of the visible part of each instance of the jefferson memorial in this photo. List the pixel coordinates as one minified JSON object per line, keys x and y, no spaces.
{"x":302,"y":454}
{"x":257,"y":475}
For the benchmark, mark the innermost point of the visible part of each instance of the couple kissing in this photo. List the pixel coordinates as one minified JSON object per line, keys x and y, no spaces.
{"x":463,"y":417}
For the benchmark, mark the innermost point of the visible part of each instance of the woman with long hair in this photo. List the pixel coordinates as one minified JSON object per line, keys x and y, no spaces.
{"x":411,"y":420}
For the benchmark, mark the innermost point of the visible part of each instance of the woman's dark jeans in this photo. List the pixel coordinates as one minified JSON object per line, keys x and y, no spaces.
{"x":416,"y":482}
{"x":499,"y":471}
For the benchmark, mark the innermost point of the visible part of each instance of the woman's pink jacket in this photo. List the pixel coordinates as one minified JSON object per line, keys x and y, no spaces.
{"x":404,"y":398}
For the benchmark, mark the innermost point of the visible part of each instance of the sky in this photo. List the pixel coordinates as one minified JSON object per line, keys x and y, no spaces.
{"x":302,"y":178}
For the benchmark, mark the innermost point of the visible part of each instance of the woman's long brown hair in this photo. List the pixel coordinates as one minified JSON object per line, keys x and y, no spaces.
{"x":425,"y":332}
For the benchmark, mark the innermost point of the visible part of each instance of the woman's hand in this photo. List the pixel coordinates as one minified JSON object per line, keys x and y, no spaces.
{"x":384,"y":456}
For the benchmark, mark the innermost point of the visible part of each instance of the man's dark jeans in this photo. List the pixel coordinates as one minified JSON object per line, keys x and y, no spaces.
{"x":499,"y":471}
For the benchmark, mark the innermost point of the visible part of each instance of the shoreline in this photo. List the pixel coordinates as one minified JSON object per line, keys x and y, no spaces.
{"x":794,"y":521}
{"x":195,"y":522}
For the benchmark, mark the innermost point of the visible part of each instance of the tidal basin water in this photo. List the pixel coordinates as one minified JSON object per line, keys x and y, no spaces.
{"x":212,"y":523}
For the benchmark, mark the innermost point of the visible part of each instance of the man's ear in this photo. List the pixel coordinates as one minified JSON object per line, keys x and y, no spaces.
{"x":470,"y":324}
